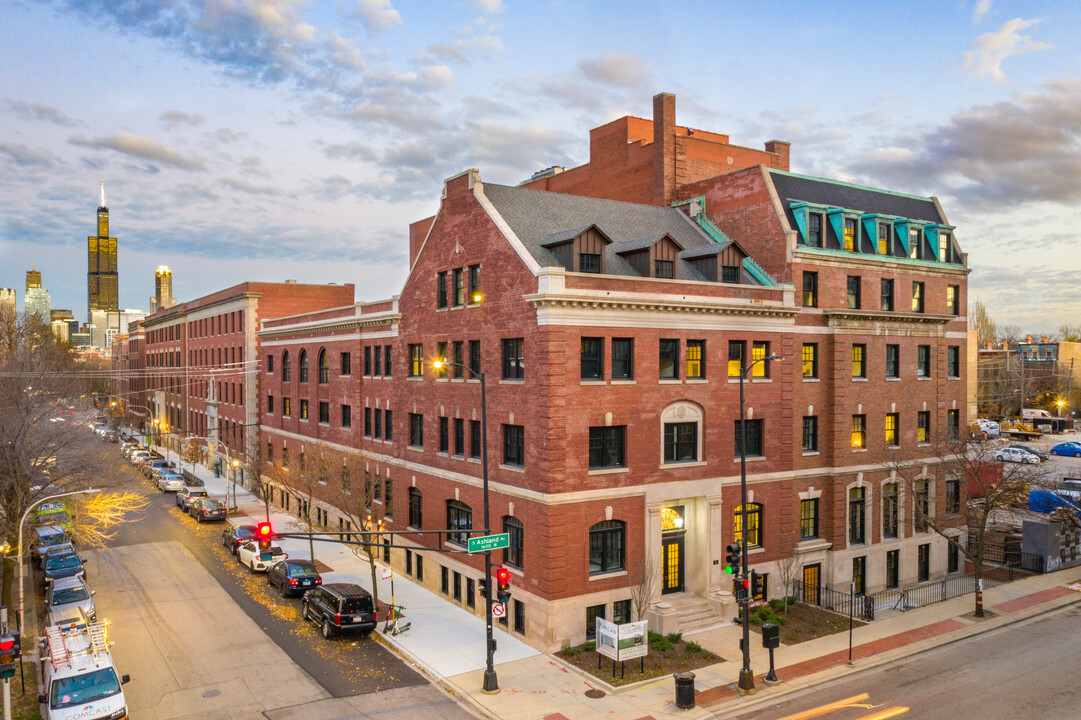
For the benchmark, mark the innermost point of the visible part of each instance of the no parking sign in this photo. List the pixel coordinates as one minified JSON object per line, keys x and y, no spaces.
{"x":499,"y":609}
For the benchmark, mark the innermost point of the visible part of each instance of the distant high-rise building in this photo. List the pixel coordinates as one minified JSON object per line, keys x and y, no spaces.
{"x":37,"y":300}
{"x":101,"y":276}
{"x":33,"y":279}
{"x":163,"y":290}
{"x":7,"y":300}
{"x":61,"y":314}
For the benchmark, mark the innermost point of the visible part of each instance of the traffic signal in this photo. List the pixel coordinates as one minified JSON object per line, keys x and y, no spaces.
{"x":739,"y":589}
{"x":502,"y":576}
{"x":733,"y":558}
{"x":265,"y":534}
{"x":10,"y":648}
{"x":757,"y":591}
{"x":482,"y":587}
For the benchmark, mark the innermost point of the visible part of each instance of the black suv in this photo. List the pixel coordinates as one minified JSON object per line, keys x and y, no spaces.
{"x":340,"y":608}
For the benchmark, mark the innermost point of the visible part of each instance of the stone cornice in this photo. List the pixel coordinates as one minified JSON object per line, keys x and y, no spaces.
{"x":317,"y":328}
{"x":838,"y":258}
{"x":669,"y":304}
{"x":844,"y":316}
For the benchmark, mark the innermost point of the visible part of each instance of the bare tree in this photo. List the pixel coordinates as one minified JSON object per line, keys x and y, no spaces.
{"x":979,"y":320}
{"x":301,"y":483}
{"x":983,"y":486}
{"x":1010,"y":334}
{"x":1069,"y":333}
{"x":254,"y":465}
{"x":643,"y":592}
{"x":787,"y":568}
{"x":363,"y":506}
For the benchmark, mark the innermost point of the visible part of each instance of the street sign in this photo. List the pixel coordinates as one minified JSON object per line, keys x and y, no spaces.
{"x":488,"y":542}
{"x":387,"y":573}
{"x":498,"y":610}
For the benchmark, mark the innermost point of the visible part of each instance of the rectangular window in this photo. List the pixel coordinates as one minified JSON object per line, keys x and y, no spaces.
{"x":883,"y":239}
{"x":853,"y":298}
{"x":459,"y":437}
{"x":893,"y":558}
{"x":377,"y":362}
{"x":953,"y":425}
{"x":923,"y":426}
{"x":441,"y":290}
{"x":592,"y":358}
{"x":893,"y":361}
{"x":303,"y":409}
{"x":663,"y":269}
{"x":514,"y":359}
{"x":889,"y":510}
{"x":459,"y":287}
{"x":367,"y":422}
{"x":923,"y":562}
{"x":386,"y":361}
{"x":810,"y":433}
{"x":810,"y":360}
{"x":459,"y":522}
{"x":286,"y":408}
{"x":808,"y":519}
{"x":458,"y":360}
{"x":810,"y":289}
{"x":953,"y":361}
{"x":444,"y":435}
{"x":347,"y":364}
{"x":953,"y":302}
{"x":923,"y":361}
{"x":953,"y":558}
{"x":857,"y":499}
{"x":444,"y":580}
{"x":887,"y":295}
{"x":324,"y":412}
{"x":680,"y":442}
{"x":851,"y":235}
{"x":519,"y":617}
{"x":920,"y":506}
{"x":730,"y":274}
{"x":416,"y":430}
{"x":917,"y":297}
{"x":388,"y":501}
{"x":735,"y":358}
{"x":270,"y":404}
{"x":622,"y":358}
{"x":953,"y":497}
{"x":474,"y":356}
{"x":814,"y":230}
{"x":915,"y":240}
{"x":514,"y":445}
{"x":859,"y":431}
{"x":696,"y":359}
{"x":270,"y":363}
{"x":416,"y":360}
{"x":377,"y":425}
{"x":388,"y":426}
{"x":474,"y":284}
{"x":621,"y":612}
{"x":859,"y":361}
{"x":754,"y":438}
{"x":859,"y":575}
{"x":669,"y":359}
{"x":760,"y":351}
{"x":592,"y":613}
{"x":892,"y":423}
{"x":589,"y":262}
{"x":607,"y":447}
{"x":474,"y":439}
{"x":367,"y":361}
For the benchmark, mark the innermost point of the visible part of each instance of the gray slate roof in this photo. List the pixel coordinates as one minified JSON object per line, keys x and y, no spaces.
{"x":537,"y":216}
{"x":797,"y":188}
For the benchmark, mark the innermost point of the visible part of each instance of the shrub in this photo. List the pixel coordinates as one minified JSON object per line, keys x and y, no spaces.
{"x":662,"y":645}
{"x":654,"y":637}
{"x":572,"y":652}
{"x":675,"y":637}
{"x":777,"y":604}
{"x":589,"y":646}
{"x":693,"y":648}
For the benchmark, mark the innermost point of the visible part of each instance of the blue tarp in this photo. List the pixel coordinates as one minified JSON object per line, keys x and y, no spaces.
{"x":1044,"y":501}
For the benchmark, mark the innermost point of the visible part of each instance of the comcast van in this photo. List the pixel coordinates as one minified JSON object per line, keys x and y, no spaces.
{"x":80,"y":680}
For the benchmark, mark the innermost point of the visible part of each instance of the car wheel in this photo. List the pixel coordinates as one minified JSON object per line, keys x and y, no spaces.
{"x":1055,"y":452}
{"x":251,"y":566}
{"x":199,"y":519}
{"x":1077,"y":454}
{"x":327,"y":632}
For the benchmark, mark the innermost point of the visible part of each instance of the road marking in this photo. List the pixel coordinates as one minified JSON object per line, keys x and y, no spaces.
{"x":883,"y":715}
{"x":826,"y":709}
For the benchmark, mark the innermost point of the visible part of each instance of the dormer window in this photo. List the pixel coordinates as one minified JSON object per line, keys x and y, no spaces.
{"x":580,"y":249}
{"x":589,"y":262}
{"x":884,"y":239}
{"x":851,"y":235}
{"x":653,"y":256}
{"x":730,"y":274}
{"x":663,"y":269}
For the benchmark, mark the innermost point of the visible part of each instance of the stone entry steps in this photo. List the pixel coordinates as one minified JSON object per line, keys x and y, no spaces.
{"x":695,"y":614}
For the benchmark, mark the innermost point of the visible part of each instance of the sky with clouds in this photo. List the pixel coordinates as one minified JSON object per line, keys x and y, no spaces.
{"x":274,"y":139}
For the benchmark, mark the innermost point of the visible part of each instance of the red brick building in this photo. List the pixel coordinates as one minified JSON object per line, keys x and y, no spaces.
{"x":611,"y":336}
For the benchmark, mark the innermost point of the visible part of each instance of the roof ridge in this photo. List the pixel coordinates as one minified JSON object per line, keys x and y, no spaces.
{"x":868,"y":188}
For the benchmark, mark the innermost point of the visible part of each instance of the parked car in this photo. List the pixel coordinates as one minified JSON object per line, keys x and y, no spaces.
{"x":1012,"y":454}
{"x":206,"y":509}
{"x":339,"y":608}
{"x":1031,"y":450}
{"x":58,"y":565}
{"x":1067,"y":448}
{"x":170,"y":482}
{"x":249,"y":554}
{"x":988,"y":428}
{"x":45,"y":537}
{"x":150,"y":467}
{"x":186,"y":494}
{"x":233,"y":536}
{"x":293,"y":577}
{"x":67,"y":594}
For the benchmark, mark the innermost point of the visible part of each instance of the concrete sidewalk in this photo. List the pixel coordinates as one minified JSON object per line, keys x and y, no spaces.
{"x":448,"y":643}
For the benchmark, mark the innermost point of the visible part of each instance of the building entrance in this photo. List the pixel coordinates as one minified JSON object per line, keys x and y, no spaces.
{"x":672,"y":550}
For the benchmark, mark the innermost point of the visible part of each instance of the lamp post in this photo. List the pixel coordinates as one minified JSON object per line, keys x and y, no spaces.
{"x":491,"y":681}
{"x":746,"y":675}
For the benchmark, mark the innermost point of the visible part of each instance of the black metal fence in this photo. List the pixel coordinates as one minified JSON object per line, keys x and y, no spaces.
{"x":860,"y":606}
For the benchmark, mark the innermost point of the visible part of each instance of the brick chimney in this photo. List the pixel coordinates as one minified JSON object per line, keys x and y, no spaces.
{"x":781,"y":151}
{"x":1028,"y":339}
{"x":1043,"y":338}
{"x":664,"y":149}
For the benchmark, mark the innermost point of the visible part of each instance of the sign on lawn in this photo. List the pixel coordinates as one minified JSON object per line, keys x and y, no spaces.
{"x":488,"y":542}
{"x":621,"y":642}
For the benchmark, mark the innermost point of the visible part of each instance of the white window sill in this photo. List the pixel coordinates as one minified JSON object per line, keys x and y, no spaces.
{"x":760,"y":381}
{"x":811,"y":453}
{"x":414,"y":378}
{"x":608,"y":471}
{"x":679,"y":465}
{"x":811,"y":380}
{"x":414,"y":448}
{"x":607,"y":575}
{"x":593,"y":382}
{"x":697,"y":381}
{"x":512,"y":468}
{"x":512,"y":381}
{"x":751,"y":458}
{"x":859,"y":379}
{"x":859,"y":450}
{"x":670,"y":381}
{"x":893,"y":447}
{"x":623,"y":382}
{"x":893,"y":379}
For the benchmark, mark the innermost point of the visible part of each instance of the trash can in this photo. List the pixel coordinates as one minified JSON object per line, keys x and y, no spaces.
{"x":684,"y":690}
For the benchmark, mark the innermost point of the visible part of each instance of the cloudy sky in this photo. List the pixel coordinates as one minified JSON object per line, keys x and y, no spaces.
{"x":274,"y":139}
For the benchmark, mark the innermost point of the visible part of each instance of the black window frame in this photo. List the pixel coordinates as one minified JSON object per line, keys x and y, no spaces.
{"x":923,"y":562}
{"x":808,"y":519}
{"x":324,"y":412}
{"x":459,"y":287}
{"x":755,"y":440}
{"x":953,"y":424}
{"x":346,"y":364}
{"x":923,"y":361}
{"x":809,"y":360}
{"x":953,"y":361}
{"x":664,"y":269}
{"x":302,"y":366}
{"x":923,"y":426}
{"x":444,"y":434}
{"x":416,"y":508}
{"x":859,"y":360}
{"x":607,"y":447}
{"x":347,"y":416}
{"x":953,"y":497}
{"x":592,"y":358}
{"x":474,"y":356}
{"x":893,"y":429}
{"x":857,"y":515}
{"x":695,"y":348}
{"x":886,"y":295}
{"x":814,"y":229}
{"x":668,"y":358}
{"x":514,"y":553}
{"x":459,"y":437}
{"x":476,"y":437}
{"x":514,"y":445}
{"x":607,"y":547}
{"x":459,"y":523}
{"x":893,"y":569}
{"x":416,"y":360}
{"x":890,"y":510}
{"x":755,"y":518}
{"x":441,"y":290}
{"x":810,"y":289}
{"x":918,"y":296}
{"x":893,"y":360}
{"x":513,"y":358}
{"x":622,"y":358}
{"x":590,"y":263}
{"x":853,"y":291}
{"x":810,"y":433}
{"x":416,"y":430}
{"x":678,"y":438}
{"x":953,"y":300}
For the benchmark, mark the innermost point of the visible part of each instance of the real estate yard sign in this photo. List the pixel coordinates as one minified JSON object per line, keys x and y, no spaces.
{"x":621,"y":642}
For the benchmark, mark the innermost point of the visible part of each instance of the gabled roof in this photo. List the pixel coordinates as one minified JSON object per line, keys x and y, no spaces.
{"x":707,"y":250}
{"x":831,"y":193}
{"x":562,"y":236}
{"x":538,"y":217}
{"x":644,"y":243}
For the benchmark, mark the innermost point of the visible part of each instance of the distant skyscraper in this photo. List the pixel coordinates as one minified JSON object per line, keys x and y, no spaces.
{"x":7,"y":300}
{"x":101,"y":276}
{"x":37,"y":300}
{"x":33,"y":279}
{"x":163,"y":290}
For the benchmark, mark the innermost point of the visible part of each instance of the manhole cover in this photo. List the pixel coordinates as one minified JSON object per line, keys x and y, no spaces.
{"x":594,"y":694}
{"x":211,"y":693}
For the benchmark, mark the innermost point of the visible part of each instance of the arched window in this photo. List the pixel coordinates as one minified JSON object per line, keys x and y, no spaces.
{"x":459,"y":520}
{"x":606,"y":540}
{"x":512,"y":554}
{"x":303,"y":366}
{"x":681,"y":433}
{"x":287,"y":367}
{"x":324,"y":367}
{"x":415,"y":507}
{"x":754,"y":525}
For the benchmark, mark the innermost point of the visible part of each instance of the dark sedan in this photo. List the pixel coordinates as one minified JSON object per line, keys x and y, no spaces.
{"x":233,"y":536}
{"x":206,"y":510}
{"x":293,"y":577}
{"x":61,"y":565}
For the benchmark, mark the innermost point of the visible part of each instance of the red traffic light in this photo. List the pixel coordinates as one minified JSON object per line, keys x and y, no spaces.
{"x":263,"y":531}
{"x":502,"y":576}
{"x":7,"y":643}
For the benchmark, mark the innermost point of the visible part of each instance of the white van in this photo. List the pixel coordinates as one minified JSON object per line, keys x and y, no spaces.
{"x":80,"y":680}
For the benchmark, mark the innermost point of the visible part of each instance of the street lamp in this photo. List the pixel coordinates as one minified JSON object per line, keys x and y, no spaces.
{"x":491,"y":682}
{"x":746,"y":675}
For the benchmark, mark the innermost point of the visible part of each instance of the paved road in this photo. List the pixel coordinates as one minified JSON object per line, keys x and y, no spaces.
{"x":1021,"y":671}
{"x":203,"y":637}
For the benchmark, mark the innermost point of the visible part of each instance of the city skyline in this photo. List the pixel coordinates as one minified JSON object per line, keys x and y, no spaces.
{"x":287,"y":140}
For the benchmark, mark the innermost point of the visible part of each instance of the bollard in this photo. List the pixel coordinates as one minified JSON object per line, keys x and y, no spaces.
{"x":684,"y":690}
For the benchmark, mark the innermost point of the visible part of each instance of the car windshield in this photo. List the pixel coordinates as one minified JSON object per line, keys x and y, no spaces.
{"x":84,"y":688}
{"x":70,"y":595}
{"x":50,"y":540}
{"x":303,"y":571}
{"x":243,"y":532}
{"x":197,"y":493}
{"x":211,"y":504}
{"x":58,"y":562}
{"x":357,"y":604}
